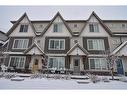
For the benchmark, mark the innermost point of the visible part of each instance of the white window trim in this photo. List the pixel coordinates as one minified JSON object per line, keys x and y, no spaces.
{"x":95,"y":68}
{"x":95,"y":39}
{"x":59,"y":42}
{"x":58,"y":61}
{"x":18,"y":57}
{"x":23,"y":41}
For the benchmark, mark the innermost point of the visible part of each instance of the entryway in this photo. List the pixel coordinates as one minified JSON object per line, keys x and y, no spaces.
{"x":76,"y":64}
{"x":36,"y":63}
{"x":119,"y":65}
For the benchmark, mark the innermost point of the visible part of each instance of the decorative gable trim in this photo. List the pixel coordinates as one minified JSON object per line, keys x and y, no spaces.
{"x":18,"y":22}
{"x":119,"y":48}
{"x":100,"y":21}
{"x":32,"y":46}
{"x":77,"y":45}
{"x":58,"y":14}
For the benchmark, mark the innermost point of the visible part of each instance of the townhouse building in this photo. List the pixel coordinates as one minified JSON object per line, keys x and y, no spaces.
{"x":75,"y":45}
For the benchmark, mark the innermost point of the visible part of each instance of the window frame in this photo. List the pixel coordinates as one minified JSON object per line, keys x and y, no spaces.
{"x":103,"y":44}
{"x":22,"y":45}
{"x":59,"y":24}
{"x":94,"y":24}
{"x":49,"y":45}
{"x":58,"y":64}
{"x":100,"y":64}
{"x":24,"y":28}
{"x":19,"y":61}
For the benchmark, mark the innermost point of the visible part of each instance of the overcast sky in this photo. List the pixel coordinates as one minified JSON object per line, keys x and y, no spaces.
{"x":9,"y":13}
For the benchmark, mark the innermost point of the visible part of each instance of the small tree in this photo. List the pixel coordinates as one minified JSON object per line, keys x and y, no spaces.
{"x":111,"y":61}
{"x":44,"y":63}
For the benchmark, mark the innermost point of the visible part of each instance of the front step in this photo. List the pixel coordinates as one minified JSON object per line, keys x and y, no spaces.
{"x":76,"y":73}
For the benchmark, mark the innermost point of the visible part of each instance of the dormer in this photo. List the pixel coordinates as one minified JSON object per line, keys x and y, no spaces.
{"x":57,"y":27}
{"x":95,"y":27}
{"x":22,"y":28}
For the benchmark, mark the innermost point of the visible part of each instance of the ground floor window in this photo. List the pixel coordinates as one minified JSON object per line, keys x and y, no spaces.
{"x":98,"y":63}
{"x":57,"y":63}
{"x":17,"y":61}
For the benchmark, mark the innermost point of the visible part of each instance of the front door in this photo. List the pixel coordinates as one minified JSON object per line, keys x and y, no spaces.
{"x":35,"y":66}
{"x":77,"y":66}
{"x":119,"y":67}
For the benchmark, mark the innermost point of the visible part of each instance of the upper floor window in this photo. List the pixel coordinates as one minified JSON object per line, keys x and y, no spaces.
{"x":23,"y":28}
{"x":97,"y":63}
{"x":93,"y":27}
{"x":57,"y":27}
{"x":56,"y":44}
{"x":20,"y":43}
{"x":95,"y":44}
{"x":75,"y":25}
{"x":124,"y":26}
{"x":38,"y":41}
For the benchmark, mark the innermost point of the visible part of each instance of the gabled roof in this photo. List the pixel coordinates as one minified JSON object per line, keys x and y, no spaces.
{"x":32,"y":46}
{"x":5,"y":43}
{"x":58,"y":14}
{"x":17,"y":23}
{"x":100,"y":21}
{"x":119,"y":48}
{"x":77,"y":45}
{"x":2,"y":32}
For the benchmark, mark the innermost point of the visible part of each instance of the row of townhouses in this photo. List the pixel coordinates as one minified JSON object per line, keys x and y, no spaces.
{"x":77,"y":45}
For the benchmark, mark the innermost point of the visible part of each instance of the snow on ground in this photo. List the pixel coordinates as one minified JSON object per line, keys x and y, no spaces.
{"x":45,"y":83}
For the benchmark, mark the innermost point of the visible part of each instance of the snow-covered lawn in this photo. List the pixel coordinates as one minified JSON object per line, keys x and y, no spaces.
{"x":49,"y":83}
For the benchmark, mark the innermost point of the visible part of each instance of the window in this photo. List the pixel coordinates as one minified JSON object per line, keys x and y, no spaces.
{"x":98,"y":63}
{"x":57,"y":27}
{"x":76,"y":62}
{"x":93,"y":27}
{"x":57,"y":63}
{"x":20,"y":43}
{"x":38,"y":41}
{"x":56,"y":44}
{"x":23,"y":28}
{"x":17,"y":61}
{"x":36,"y":61}
{"x":124,"y":26}
{"x":75,"y":25}
{"x":95,"y":44}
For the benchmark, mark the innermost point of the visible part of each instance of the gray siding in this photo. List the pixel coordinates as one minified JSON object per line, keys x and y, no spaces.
{"x":28,"y":60}
{"x":106,"y":43}
{"x":7,"y":60}
{"x":86,"y":63}
{"x":11,"y":41}
{"x":67,"y":45}
{"x":67,"y":62}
